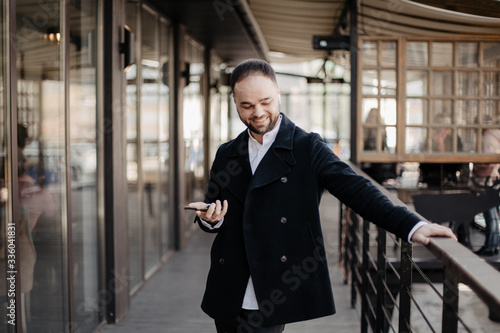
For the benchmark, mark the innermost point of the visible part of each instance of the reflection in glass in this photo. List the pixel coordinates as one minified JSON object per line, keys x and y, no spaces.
{"x":84,"y":195}
{"x":370,"y":82}
{"x":150,"y":126}
{"x":388,"y":53}
{"x":417,"y":54}
{"x":132,"y":152}
{"x":468,"y":139}
{"x":467,"y":83}
{"x":442,"y":54}
{"x":491,"y":55}
{"x":388,"y":111}
{"x":467,"y":54}
{"x":388,"y":82}
{"x":442,"y":83}
{"x":466,"y":112}
{"x":491,"y":84}
{"x":416,"y":83}
{"x":194,"y":119}
{"x":42,"y":178}
{"x":415,"y":140}
{"x":370,"y":54}
{"x":442,"y":107}
{"x":164,"y":137}
{"x":442,"y":140}
{"x":491,"y":112}
{"x":416,"y":111}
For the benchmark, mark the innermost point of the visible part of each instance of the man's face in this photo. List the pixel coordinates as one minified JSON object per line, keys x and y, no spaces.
{"x":257,"y":101}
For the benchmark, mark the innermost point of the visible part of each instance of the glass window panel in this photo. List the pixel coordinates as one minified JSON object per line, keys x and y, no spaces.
{"x":442,"y":54}
{"x":42,"y":178}
{"x":83,"y":150}
{"x":388,"y":53}
{"x":416,"y":111}
{"x":467,"y":84}
{"x":491,"y":84}
{"x":167,"y":225}
{"x":491,"y":55}
{"x":370,"y":114}
{"x":370,"y":82}
{"x":415,"y":140}
{"x":467,"y":140}
{"x":391,"y":138}
{"x":416,"y":83}
{"x":442,"y":111}
{"x":467,"y":54}
{"x":150,"y":126}
{"x":388,"y":111}
{"x":370,"y":139}
{"x":417,"y":54}
{"x":491,"y":112}
{"x":442,"y":83}
{"x":466,"y":112}
{"x":388,"y":82}
{"x":194,"y":119}
{"x":441,"y":119}
{"x":135,"y":230}
{"x":442,"y":140}
{"x":370,"y":54}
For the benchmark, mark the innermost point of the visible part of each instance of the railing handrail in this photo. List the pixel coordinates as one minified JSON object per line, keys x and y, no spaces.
{"x":480,"y":276}
{"x":460,"y":264}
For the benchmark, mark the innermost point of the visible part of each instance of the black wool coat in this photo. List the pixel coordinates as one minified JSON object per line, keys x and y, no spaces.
{"x":272,"y":227}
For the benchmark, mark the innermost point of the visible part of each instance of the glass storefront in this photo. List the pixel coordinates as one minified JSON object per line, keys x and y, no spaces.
{"x":148,"y":104}
{"x":85,"y":231}
{"x":41,"y":142}
{"x":194,"y":122}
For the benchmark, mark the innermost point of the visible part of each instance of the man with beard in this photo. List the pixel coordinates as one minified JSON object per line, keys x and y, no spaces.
{"x":268,"y":262}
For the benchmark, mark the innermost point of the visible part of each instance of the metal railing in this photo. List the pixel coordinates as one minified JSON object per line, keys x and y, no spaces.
{"x":382,"y":269}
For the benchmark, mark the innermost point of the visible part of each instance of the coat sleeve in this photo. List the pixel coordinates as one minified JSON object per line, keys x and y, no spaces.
{"x":358,"y":192}
{"x":211,"y":195}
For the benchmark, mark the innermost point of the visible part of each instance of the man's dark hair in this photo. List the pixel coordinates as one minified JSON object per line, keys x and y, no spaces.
{"x":252,"y":66}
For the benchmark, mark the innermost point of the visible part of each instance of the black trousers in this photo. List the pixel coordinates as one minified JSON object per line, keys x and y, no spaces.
{"x":249,"y":322}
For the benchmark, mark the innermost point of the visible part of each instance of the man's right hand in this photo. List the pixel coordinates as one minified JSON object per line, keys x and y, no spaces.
{"x":215,"y":212}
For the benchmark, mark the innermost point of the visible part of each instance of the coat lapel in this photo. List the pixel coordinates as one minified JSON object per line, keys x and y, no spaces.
{"x":279,"y":160}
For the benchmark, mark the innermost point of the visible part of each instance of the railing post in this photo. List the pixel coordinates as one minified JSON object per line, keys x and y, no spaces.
{"x":354,"y":228}
{"x":405,"y":287}
{"x":381,"y":278}
{"x":450,"y":301}
{"x":365,"y":265}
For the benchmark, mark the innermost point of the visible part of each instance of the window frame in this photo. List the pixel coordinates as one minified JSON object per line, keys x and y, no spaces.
{"x":400,"y":155}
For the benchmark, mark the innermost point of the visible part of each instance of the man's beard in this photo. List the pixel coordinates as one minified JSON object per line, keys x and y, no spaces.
{"x":272,"y":123}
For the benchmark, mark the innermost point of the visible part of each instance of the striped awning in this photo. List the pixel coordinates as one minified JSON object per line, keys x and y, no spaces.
{"x":288,"y":26}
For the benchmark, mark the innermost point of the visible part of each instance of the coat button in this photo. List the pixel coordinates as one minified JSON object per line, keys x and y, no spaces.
{"x":284,"y":179}
{"x":283,"y":258}
{"x":221,"y":261}
{"x":283,"y":220}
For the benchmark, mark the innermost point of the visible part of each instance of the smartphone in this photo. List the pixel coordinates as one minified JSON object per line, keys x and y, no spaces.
{"x":193,"y":208}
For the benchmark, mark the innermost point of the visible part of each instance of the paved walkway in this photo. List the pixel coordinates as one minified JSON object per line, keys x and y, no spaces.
{"x":170,"y":301}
